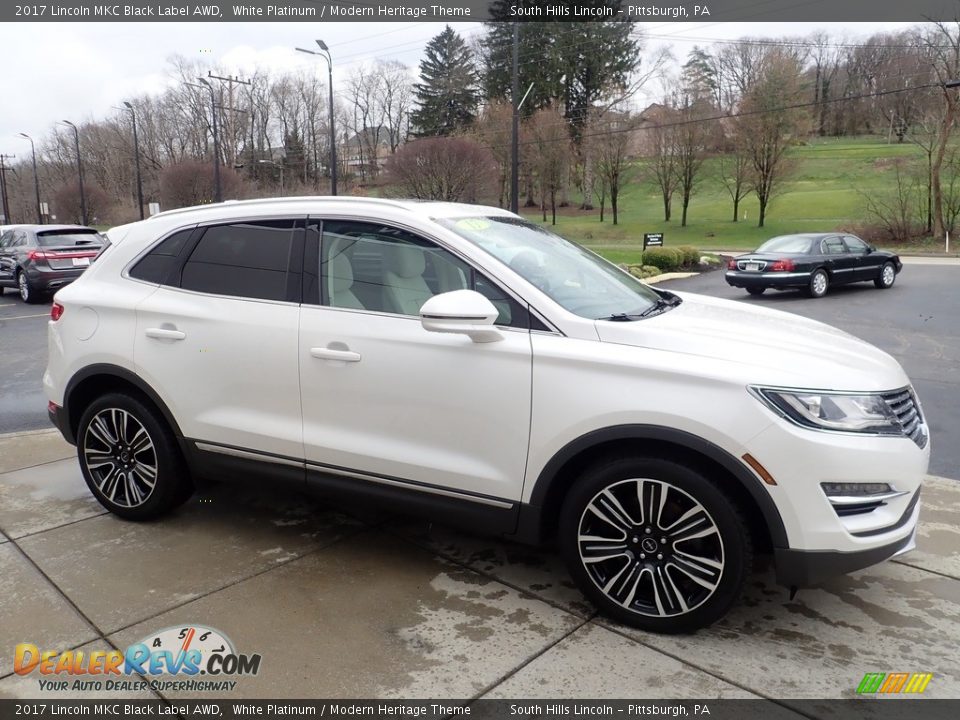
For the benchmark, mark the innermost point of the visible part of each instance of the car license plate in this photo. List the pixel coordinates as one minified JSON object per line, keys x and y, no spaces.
{"x":751,"y":267}
{"x":81,"y":262}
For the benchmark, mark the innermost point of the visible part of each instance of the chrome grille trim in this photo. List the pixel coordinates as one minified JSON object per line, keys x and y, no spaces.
{"x":904,"y":404}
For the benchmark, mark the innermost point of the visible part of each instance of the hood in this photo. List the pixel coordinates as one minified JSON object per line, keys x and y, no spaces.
{"x":771,"y":347}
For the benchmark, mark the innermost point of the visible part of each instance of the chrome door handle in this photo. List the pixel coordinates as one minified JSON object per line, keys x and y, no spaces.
{"x":325,"y":353}
{"x":165,"y":334}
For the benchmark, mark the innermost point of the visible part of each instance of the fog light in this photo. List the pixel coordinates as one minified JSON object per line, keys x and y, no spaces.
{"x":856,"y":489}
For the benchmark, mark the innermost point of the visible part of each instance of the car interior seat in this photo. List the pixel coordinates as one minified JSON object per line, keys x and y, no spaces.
{"x":341,"y":280}
{"x":404,"y":288}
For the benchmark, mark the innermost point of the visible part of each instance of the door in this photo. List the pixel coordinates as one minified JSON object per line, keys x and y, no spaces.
{"x":8,"y":257}
{"x":867,"y":265}
{"x":392,"y":403}
{"x":218,"y":338}
{"x":841,"y":263}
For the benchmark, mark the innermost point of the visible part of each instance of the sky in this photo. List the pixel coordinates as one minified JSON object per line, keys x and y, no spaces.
{"x":79,"y":71}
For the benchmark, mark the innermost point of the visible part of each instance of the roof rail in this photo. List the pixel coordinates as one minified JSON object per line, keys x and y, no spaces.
{"x":283,"y":201}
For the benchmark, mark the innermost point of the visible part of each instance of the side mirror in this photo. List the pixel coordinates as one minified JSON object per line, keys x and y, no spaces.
{"x":464,"y":312}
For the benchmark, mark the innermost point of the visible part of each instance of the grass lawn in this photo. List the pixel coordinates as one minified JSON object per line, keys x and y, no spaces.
{"x":823,"y":192}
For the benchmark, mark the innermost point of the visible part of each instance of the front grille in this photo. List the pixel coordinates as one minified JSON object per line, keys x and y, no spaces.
{"x":905,"y":406}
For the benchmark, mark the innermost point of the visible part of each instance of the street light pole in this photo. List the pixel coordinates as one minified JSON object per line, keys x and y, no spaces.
{"x":325,"y":54}
{"x":83,"y":195}
{"x":36,"y":180}
{"x":136,"y":156}
{"x":217,"y":186}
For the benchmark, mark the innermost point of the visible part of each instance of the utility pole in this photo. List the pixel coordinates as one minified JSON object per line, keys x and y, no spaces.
{"x":515,"y":130}
{"x":229,"y":158}
{"x":83,"y":196}
{"x":136,"y":155}
{"x":3,"y":187}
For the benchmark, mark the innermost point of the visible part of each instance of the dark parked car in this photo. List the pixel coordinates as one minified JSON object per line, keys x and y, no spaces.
{"x":39,"y":259}
{"x":812,"y":262}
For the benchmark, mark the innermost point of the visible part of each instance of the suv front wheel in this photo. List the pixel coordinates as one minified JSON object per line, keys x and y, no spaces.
{"x":130,"y":459}
{"x":655,"y":544}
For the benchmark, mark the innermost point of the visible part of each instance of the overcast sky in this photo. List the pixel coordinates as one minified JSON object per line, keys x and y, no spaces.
{"x":77,"y":71}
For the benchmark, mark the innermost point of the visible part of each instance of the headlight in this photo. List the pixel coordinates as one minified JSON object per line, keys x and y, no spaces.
{"x":833,"y":411}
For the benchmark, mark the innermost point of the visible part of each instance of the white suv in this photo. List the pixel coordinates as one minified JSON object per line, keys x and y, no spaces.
{"x":461,"y":362}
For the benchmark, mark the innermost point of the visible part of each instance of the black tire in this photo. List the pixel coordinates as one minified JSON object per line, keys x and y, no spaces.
{"x":819,"y":283}
{"x":28,"y":293}
{"x":633,"y":598}
{"x":756,"y":292}
{"x":119,"y":465}
{"x":886,"y":277}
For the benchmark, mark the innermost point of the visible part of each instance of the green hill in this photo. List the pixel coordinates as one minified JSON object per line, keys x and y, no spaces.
{"x":822,"y":192}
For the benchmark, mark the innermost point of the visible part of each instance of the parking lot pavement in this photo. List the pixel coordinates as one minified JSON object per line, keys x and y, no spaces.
{"x":917,"y":321}
{"x":344,"y":605}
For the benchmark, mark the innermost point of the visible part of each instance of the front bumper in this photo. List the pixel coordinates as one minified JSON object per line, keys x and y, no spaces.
{"x":805,"y":568}
{"x":743,"y":279}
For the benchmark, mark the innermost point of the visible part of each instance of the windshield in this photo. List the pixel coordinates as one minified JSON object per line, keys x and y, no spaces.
{"x":69,"y":237}
{"x":580,"y":281}
{"x":786,"y":244}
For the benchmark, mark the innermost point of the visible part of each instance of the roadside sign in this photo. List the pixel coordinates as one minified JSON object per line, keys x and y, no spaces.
{"x":652,"y":239}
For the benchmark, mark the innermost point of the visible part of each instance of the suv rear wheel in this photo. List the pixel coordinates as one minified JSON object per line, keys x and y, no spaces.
{"x":130,"y":459}
{"x":655,"y":544}
{"x":27,"y":292}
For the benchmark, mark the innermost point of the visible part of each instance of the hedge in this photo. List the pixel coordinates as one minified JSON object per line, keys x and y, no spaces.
{"x":667,"y":259}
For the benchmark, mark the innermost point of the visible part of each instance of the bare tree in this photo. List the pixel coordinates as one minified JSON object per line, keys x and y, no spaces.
{"x":551,"y":149}
{"x":454,"y":169}
{"x":942,"y":40}
{"x":691,"y":143}
{"x":767,"y":124}
{"x":612,"y":134}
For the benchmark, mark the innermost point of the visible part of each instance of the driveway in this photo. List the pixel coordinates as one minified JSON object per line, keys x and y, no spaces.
{"x":342,"y":603}
{"x":917,"y":321}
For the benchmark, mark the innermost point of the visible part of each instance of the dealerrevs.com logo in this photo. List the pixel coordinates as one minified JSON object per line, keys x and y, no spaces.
{"x":195,"y":658}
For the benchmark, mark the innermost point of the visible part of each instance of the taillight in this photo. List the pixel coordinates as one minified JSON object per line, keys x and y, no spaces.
{"x":731,"y":264}
{"x":781,"y":266}
{"x":56,"y":311}
{"x":38,"y":255}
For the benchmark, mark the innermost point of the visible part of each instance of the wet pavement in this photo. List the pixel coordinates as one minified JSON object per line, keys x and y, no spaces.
{"x":343,"y":604}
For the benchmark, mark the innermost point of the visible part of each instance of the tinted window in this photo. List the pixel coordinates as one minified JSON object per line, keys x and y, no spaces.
{"x":855,"y":244}
{"x":5,"y":239}
{"x":833,"y":246}
{"x":156,"y":265}
{"x":367,"y":266}
{"x":786,"y":244}
{"x":243,"y":259}
{"x":54,"y":238}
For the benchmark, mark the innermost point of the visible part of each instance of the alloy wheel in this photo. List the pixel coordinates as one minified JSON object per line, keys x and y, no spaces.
{"x":120,"y":457}
{"x":651,"y":547}
{"x":24,"y":285}
{"x":887,"y":275}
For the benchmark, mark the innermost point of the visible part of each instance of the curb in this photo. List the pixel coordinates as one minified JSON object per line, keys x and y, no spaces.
{"x":29,"y":433}
{"x":669,"y":276}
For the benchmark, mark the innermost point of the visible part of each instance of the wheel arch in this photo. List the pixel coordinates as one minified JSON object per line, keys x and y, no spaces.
{"x":538,"y":520}
{"x":95,"y":380}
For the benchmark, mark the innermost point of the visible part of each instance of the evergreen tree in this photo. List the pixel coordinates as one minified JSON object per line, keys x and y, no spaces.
{"x":448,"y":95}
{"x":571,"y":64}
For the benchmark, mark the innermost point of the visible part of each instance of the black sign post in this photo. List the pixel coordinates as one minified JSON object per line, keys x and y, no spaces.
{"x":652,"y":239}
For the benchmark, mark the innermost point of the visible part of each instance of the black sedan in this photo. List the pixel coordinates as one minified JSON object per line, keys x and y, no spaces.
{"x":812,"y":262}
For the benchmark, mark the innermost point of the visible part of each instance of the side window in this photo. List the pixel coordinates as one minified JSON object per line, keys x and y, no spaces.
{"x":855,"y":244}
{"x":5,"y":239}
{"x":367,"y":266}
{"x":249,"y":259}
{"x":833,"y":246}
{"x":19,"y":239}
{"x":155,"y":266}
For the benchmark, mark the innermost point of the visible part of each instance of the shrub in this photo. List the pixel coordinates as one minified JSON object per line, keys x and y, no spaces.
{"x":667,"y":259}
{"x":649,"y":271}
{"x":691,"y":255}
